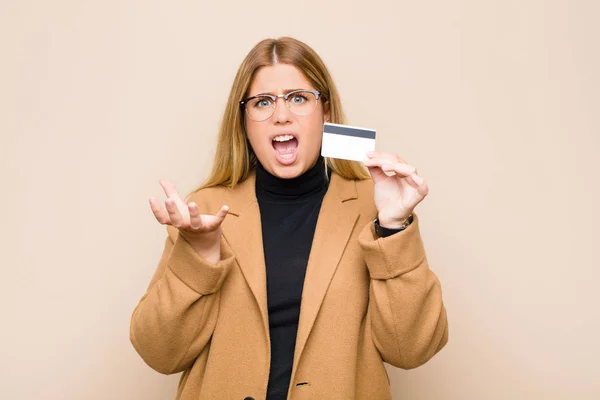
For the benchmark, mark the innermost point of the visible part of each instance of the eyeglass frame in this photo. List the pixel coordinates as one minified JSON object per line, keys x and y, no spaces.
{"x":285,"y":97}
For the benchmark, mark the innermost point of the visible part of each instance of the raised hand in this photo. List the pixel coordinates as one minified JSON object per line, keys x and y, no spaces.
{"x":202,"y":231}
{"x":396,"y":195}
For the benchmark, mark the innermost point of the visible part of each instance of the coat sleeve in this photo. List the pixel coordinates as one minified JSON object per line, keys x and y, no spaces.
{"x":406,"y":310}
{"x":175,"y":318}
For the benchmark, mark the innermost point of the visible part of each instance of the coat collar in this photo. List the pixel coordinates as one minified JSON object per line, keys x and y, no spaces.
{"x":337,"y":217}
{"x":244,"y":195}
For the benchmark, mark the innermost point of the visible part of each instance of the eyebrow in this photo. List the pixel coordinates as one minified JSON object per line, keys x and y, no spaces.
{"x":285,"y":91}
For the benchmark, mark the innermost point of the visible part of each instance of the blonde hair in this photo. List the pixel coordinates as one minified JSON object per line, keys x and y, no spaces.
{"x":234,"y":158}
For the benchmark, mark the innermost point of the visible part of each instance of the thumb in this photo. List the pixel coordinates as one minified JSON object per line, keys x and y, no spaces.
{"x":220,"y":216}
{"x":222,"y":213}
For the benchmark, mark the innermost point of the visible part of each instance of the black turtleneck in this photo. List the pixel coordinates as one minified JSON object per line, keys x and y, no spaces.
{"x":289,"y":209}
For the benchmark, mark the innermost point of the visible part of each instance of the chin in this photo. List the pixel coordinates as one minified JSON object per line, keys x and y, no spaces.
{"x":288,"y":172}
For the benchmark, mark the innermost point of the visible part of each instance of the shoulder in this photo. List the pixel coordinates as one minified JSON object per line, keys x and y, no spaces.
{"x":365,"y":188}
{"x":362,"y":190}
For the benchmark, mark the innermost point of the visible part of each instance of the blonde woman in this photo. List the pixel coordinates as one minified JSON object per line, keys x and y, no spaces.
{"x":287,"y":275}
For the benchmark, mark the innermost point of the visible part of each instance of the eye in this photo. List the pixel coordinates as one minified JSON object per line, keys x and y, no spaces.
{"x":298,"y":98}
{"x":262,"y":102}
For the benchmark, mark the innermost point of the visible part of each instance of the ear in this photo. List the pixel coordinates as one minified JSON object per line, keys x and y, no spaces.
{"x":326,"y":112}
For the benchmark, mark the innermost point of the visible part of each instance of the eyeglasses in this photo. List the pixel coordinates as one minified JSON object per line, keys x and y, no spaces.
{"x":300,"y":102}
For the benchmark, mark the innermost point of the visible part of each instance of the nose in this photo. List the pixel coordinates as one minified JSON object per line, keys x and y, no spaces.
{"x":282,"y":113}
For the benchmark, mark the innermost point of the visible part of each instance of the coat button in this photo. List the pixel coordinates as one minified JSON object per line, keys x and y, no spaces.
{"x":249,"y":398}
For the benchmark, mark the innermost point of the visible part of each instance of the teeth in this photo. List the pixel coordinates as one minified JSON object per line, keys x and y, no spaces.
{"x":283,"y":138}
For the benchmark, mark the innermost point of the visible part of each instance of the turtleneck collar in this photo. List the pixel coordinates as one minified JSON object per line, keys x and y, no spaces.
{"x":312,"y":182}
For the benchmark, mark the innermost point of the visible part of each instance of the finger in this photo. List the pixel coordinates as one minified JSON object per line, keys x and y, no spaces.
{"x":196,"y":222}
{"x":222,"y":213}
{"x":374,"y":166}
{"x":418,"y":183}
{"x":380,"y":161}
{"x":160,"y":214}
{"x":170,"y":190}
{"x":376,"y":173}
{"x":418,"y":180}
{"x":219,"y":217}
{"x":400,"y":169}
{"x":423,"y":187}
{"x":380,"y":154}
{"x":412,"y":182}
{"x":388,"y":156}
{"x":174,"y":214}
{"x":195,"y":219}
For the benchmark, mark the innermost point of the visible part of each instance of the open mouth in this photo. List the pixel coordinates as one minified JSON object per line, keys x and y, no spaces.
{"x":286,"y":149}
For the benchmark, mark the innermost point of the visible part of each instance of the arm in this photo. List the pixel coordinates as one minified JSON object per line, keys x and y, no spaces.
{"x":175,"y":318}
{"x":406,"y":311}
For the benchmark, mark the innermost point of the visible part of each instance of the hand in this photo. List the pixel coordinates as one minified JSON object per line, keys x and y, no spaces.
{"x":201,"y":231}
{"x":397,"y":195}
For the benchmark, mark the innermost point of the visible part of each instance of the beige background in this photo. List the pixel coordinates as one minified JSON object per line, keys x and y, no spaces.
{"x":496,"y":103}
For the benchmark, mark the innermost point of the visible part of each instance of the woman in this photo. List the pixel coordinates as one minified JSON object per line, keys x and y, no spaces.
{"x":288,"y":275}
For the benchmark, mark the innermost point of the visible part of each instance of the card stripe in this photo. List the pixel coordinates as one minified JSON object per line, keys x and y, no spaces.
{"x":346,"y":131}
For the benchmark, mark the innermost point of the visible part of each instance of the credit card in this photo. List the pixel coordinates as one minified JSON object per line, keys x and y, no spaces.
{"x":347,"y":142}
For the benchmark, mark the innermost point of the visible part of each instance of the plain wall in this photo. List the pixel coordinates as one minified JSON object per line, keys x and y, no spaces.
{"x":495,"y":102}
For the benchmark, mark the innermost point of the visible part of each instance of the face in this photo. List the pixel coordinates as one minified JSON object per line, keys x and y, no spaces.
{"x":290,"y":158}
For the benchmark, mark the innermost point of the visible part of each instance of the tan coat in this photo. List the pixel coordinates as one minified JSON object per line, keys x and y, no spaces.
{"x":365,"y":300}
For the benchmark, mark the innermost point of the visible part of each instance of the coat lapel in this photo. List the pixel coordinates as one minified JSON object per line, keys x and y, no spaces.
{"x":242,"y":231}
{"x":337,"y":217}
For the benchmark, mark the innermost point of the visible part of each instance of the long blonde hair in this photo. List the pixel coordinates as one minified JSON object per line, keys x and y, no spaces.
{"x":234,"y":158}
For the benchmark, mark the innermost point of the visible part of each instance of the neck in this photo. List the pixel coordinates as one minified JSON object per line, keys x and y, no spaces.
{"x":309,"y":183}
